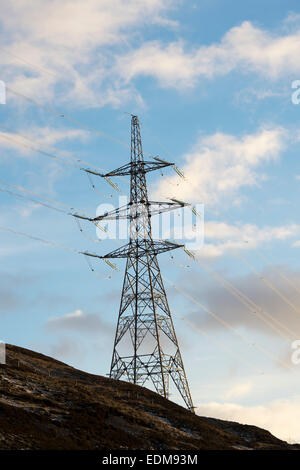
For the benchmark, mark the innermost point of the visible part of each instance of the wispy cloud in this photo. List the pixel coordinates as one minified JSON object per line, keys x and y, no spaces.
{"x":64,"y":50}
{"x":220,"y":164}
{"x":222,"y":238}
{"x":246,"y":48}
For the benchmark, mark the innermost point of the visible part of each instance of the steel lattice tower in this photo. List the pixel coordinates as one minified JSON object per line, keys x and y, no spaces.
{"x":144,"y":315}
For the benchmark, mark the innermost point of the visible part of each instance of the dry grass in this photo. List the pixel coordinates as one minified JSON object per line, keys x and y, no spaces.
{"x":45,"y":404}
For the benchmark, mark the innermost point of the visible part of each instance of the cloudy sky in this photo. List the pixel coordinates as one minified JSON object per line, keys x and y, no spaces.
{"x":212,"y":83}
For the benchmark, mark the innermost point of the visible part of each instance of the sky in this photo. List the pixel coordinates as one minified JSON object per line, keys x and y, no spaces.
{"x":214,"y":86}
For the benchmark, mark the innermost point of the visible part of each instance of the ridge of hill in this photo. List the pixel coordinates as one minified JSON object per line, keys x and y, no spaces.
{"x":46,"y":404}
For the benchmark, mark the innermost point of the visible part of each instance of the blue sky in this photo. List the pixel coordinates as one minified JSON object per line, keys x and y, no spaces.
{"x":211,"y":82}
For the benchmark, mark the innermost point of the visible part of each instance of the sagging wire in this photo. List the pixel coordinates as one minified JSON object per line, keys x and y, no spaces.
{"x":11,"y":193}
{"x":96,"y":189}
{"x":63,"y":153}
{"x":27,"y":191}
{"x":30,"y":64}
{"x":219,"y":343}
{"x":105,"y":278}
{"x":222,"y":345}
{"x":266,"y":281}
{"x":247,"y":302}
{"x":270,"y":285}
{"x":65,"y":247}
{"x":259,"y":253}
{"x":42,"y":240}
{"x":262,"y":256}
{"x":47,"y":154}
{"x":67,"y":118}
{"x":62,"y":159}
{"x":227,"y":325}
{"x":71,"y":214}
{"x":173,"y":259}
{"x":175,"y":168}
{"x":95,"y":240}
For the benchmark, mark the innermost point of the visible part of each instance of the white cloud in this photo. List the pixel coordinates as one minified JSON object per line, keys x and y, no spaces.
{"x":280,"y":417}
{"x":82,"y":52}
{"x":71,"y":44}
{"x":221,"y":237}
{"x":220,"y":164}
{"x":35,"y":136}
{"x":245,"y":48}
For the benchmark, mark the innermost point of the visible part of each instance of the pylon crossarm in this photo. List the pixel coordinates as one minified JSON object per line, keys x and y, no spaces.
{"x":160,"y":207}
{"x":132,"y":167}
{"x":129,"y":212}
{"x":119,"y":213}
{"x":141,"y":248}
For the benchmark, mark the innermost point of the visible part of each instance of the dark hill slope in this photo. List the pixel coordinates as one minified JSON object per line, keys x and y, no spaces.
{"x":45,"y":404}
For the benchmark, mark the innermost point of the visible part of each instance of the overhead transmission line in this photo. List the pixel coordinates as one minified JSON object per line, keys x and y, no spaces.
{"x":53,"y":111}
{"x":272,"y":287}
{"x":93,"y":255}
{"x":86,"y":254}
{"x":222,"y":345}
{"x":219,"y":343}
{"x":65,"y":117}
{"x":73,"y":121}
{"x":73,"y":163}
{"x":225,"y":323}
{"x":259,"y":252}
{"x":264,"y":258}
{"x":263,"y":278}
{"x":249,"y":303}
{"x":70,"y":211}
{"x":254,"y":308}
{"x":76,"y":122}
{"x":30,"y":64}
{"x":242,"y":297}
{"x":236,"y":293}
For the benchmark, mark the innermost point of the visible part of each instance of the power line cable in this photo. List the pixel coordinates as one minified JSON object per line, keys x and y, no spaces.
{"x":67,"y":118}
{"x":226,"y":324}
{"x":259,"y":252}
{"x":250,"y":304}
{"x":64,"y":247}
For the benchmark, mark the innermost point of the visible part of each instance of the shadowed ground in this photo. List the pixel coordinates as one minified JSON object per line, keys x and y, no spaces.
{"x":46,"y":404}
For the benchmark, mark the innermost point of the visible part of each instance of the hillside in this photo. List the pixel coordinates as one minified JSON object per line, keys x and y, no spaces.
{"x":46,"y":404}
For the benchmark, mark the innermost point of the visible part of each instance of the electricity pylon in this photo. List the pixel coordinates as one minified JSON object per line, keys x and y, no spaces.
{"x":145,"y":327}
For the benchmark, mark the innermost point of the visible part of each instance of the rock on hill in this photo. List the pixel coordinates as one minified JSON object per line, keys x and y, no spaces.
{"x":45,"y":404}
